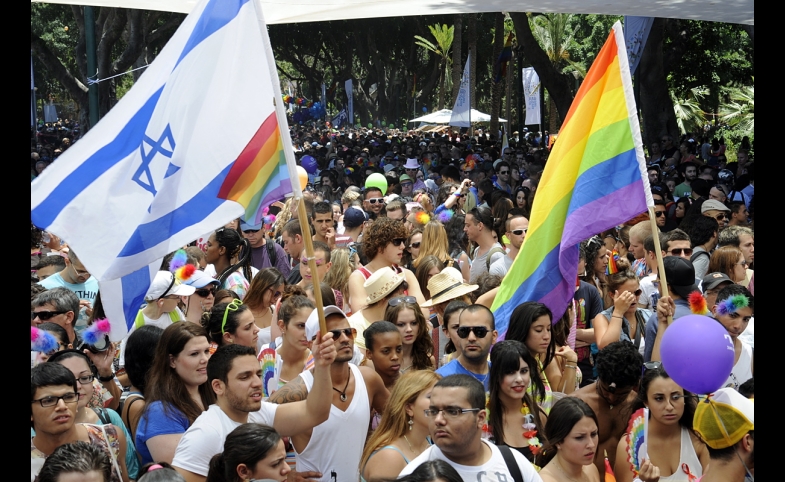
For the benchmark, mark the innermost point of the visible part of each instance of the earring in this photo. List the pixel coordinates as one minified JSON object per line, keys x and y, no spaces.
{"x":411,"y":423}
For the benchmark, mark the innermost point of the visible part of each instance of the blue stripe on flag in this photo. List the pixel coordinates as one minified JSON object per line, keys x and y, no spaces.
{"x":605,"y":178}
{"x":190,"y":213}
{"x":216,"y":14}
{"x":127,"y":141}
{"x":135,"y":286}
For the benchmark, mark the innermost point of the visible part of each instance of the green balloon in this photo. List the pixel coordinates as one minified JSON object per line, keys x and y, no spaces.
{"x":370,"y":126}
{"x":377,"y":180}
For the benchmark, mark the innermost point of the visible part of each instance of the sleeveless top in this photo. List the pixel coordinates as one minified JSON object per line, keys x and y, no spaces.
{"x":336,"y":445}
{"x":545,"y":402}
{"x":389,"y":447}
{"x":688,"y":460}
{"x":104,"y":436}
{"x":742,"y":370}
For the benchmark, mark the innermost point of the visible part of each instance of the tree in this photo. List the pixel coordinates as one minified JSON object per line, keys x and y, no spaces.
{"x":457,"y":59}
{"x":496,"y":89}
{"x":739,"y":112}
{"x":444,"y":37}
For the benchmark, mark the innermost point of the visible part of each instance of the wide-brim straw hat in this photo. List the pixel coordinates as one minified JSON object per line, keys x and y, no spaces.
{"x":381,"y":283}
{"x":447,"y":285}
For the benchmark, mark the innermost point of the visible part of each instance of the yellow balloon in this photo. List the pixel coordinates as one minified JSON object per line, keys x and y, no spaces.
{"x":303,"y":175}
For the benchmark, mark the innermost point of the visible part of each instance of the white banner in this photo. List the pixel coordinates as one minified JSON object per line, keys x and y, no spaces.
{"x":461,"y":112}
{"x":636,"y":32}
{"x":350,"y":96}
{"x":324,"y":98}
{"x":531,"y":92}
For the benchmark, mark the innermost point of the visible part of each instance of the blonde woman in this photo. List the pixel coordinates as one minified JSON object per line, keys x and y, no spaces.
{"x":434,"y":242}
{"x":344,"y":261}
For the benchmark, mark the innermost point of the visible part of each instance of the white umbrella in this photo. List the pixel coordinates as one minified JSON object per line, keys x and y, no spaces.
{"x":443,"y":117}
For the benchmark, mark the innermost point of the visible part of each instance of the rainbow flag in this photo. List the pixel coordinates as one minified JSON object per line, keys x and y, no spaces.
{"x":259,"y":176}
{"x":500,"y":66}
{"x":594,"y":180}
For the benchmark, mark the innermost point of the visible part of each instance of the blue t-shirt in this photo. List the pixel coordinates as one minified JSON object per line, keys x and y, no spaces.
{"x":455,"y":368}
{"x":155,"y":421}
{"x":682,"y":309}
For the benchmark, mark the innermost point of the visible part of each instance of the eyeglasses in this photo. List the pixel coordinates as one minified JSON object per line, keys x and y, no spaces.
{"x":415,"y":245}
{"x":650,"y":365}
{"x":79,"y":273}
{"x":205,"y":292}
{"x":406,"y":184}
{"x":519,"y":232}
{"x":479,"y":331}
{"x":85,"y":379}
{"x":398,"y":241}
{"x":659,"y":214}
{"x":720,"y":216}
{"x":52,"y":401}
{"x":402,"y":299}
{"x":449,"y":412}
{"x":743,"y":262}
{"x":45,"y":315}
{"x":349,"y":332}
{"x":375,"y":200}
{"x":251,"y":231}
{"x":233,"y":306}
{"x":681,"y":252}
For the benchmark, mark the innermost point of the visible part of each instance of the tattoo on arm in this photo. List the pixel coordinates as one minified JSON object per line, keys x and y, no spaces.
{"x":293,"y":391}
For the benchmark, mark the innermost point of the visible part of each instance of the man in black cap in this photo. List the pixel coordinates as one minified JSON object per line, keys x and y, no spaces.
{"x":711,"y":285}
{"x":353,"y":222}
{"x":680,"y":276}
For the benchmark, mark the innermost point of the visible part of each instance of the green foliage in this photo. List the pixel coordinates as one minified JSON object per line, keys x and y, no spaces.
{"x":689,"y":114}
{"x":739,"y":112}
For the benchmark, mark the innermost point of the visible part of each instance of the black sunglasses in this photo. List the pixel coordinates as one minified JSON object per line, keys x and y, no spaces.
{"x":519,"y":232}
{"x":479,"y":331}
{"x":205,"y":292}
{"x":659,"y":214}
{"x":402,"y":299}
{"x":398,"y":241}
{"x":45,"y":315}
{"x":681,"y":251}
{"x":349,"y":332}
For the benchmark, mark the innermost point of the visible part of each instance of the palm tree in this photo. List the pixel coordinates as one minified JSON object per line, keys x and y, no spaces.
{"x":740,"y":111}
{"x":689,"y":114}
{"x":443,"y":36}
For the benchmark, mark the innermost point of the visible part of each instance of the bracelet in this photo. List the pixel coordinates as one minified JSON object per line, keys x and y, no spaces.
{"x":571,"y":366}
{"x":617,"y":316}
{"x":106,"y":379}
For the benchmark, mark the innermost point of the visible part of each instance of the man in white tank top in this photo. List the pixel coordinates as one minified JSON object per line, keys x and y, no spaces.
{"x":331,"y":451}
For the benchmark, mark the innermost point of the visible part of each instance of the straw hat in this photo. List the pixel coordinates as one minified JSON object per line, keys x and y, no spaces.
{"x":447,"y":285}
{"x":381,"y":283}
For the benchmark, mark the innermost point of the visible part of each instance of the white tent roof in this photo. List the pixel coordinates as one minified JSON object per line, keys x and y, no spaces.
{"x":277,"y":11}
{"x":443,"y":117}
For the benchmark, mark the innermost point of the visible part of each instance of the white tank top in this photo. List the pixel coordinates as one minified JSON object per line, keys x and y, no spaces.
{"x":742,"y":370}
{"x":336,"y":445}
{"x":687,"y":456}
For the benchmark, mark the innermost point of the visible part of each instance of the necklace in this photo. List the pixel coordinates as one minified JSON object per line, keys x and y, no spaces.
{"x":410,"y":445}
{"x":475,"y":375}
{"x":558,"y":465}
{"x":530,"y":430}
{"x":343,"y":393}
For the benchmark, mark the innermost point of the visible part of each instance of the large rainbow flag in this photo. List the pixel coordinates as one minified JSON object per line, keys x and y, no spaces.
{"x":594,"y":180}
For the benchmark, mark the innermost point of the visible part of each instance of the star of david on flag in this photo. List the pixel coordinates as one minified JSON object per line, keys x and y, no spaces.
{"x":194,"y":144}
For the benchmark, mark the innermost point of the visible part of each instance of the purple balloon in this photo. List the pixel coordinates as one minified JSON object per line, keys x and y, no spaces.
{"x":309,"y":164}
{"x":697,"y":352}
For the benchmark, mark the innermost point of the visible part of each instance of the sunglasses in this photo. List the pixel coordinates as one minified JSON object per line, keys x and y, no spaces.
{"x":205,"y":292}
{"x":637,"y":292}
{"x":651,"y":365}
{"x":415,"y":245}
{"x":502,"y":173}
{"x":251,"y":231}
{"x":402,"y":299}
{"x":479,"y":331}
{"x":719,"y":217}
{"x":349,"y":332}
{"x":659,"y":214}
{"x":45,"y":315}
{"x":304,"y":261}
{"x":406,"y":184}
{"x":375,"y":200}
{"x":233,"y":306}
{"x":519,"y":232}
{"x":398,"y":241}
{"x":681,"y":252}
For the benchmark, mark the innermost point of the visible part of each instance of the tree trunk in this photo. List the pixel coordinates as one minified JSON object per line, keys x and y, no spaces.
{"x":557,"y":83}
{"x":508,"y":96}
{"x":553,"y":115}
{"x":473,"y":50}
{"x":457,"y":60}
{"x":656,"y":105}
{"x":441,"y":84}
{"x":496,"y":89}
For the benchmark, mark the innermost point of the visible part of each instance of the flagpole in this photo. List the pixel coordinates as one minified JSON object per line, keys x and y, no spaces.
{"x":655,"y":234}
{"x":286,"y":140}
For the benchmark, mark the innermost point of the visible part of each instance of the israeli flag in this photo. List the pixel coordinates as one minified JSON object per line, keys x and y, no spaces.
{"x":145,"y":180}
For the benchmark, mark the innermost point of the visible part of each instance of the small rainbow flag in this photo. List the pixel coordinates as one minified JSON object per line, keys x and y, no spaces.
{"x":613,"y":263}
{"x":594,"y":180}
{"x":500,"y":66}
{"x":259,"y":176}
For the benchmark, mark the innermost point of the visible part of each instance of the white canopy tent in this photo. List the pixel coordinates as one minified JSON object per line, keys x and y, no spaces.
{"x":276,"y":11}
{"x":443,"y":117}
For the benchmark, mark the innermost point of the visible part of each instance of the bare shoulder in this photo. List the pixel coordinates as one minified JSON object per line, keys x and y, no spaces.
{"x":591,"y":472}
{"x":369,"y":374}
{"x":293,"y":391}
{"x":588,"y":394}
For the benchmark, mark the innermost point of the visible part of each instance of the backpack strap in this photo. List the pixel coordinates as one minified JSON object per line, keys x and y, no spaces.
{"x":698,"y":254}
{"x":492,"y":251}
{"x":271,"y":254}
{"x":103,"y":416}
{"x":512,"y":465}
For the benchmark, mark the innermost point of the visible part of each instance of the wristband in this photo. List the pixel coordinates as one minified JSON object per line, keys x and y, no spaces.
{"x":106,"y":379}
{"x":571,"y":366}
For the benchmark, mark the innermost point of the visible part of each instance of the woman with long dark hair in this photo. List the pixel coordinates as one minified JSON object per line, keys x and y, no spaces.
{"x":222,"y":247}
{"x":572,"y":439}
{"x":251,"y":452}
{"x":673,"y":446}
{"x":263,"y":294}
{"x":406,"y":315}
{"x":510,"y":406}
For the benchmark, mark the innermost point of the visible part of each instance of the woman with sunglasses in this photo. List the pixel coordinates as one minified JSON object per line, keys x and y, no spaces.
{"x":435,"y":242}
{"x":413,"y":243}
{"x":383,"y":244}
{"x":623,"y":321}
{"x":231,"y":323}
{"x":730,"y":261}
{"x":203,"y":297}
{"x":263,"y":294}
{"x":406,"y":315}
{"x":177,"y":393}
{"x":674,"y":450}
{"x":223,"y":246}
{"x":531,"y":324}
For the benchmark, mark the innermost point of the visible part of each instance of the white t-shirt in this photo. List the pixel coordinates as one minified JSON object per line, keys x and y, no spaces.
{"x":495,"y":470}
{"x":647,"y":288}
{"x":206,"y":436}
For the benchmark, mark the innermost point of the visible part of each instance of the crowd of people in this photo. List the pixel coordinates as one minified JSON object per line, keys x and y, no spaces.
{"x":225,"y":375}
